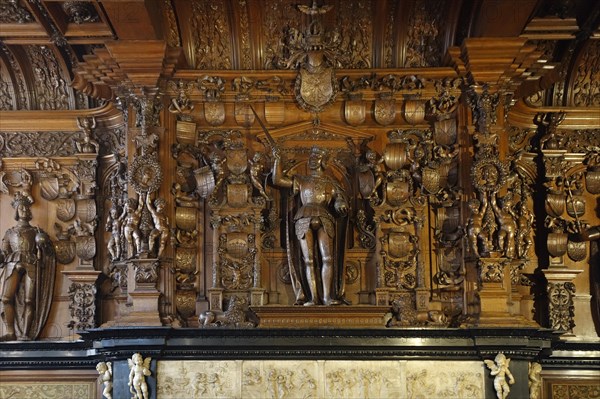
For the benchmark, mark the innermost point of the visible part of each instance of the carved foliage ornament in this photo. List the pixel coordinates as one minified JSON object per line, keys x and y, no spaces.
{"x":82,"y":306}
{"x":562,"y":309}
{"x":12,"y":12}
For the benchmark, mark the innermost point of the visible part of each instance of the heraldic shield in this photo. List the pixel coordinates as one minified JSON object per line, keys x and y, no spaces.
{"x":315,"y":90}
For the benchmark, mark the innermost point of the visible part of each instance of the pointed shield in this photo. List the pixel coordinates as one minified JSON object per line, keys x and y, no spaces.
{"x":214,"y":113}
{"x":49,"y":187}
{"x":237,"y":161}
{"x":65,"y":209}
{"x":384,"y":111}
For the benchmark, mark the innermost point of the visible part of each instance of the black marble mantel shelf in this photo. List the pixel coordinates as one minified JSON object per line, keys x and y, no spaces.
{"x":165,"y":343}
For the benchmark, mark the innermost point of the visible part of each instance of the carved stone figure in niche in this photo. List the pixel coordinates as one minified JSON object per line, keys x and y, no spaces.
{"x":256,"y":173}
{"x":499,"y":369}
{"x":114,"y":224}
{"x":524,"y":227}
{"x":140,"y":369}
{"x":131,"y":228}
{"x":508,"y":226}
{"x":105,"y":376}
{"x":161,"y":225}
{"x":474,"y":227}
{"x":27,"y":264}
{"x":315,"y":230}
{"x":87,"y":145}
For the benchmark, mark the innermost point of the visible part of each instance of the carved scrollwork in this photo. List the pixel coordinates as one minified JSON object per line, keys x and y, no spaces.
{"x":82,"y":298}
{"x":146,"y":272}
{"x":561,"y":306}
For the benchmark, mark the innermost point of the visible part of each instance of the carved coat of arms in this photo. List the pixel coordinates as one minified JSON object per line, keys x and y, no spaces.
{"x":315,"y":90}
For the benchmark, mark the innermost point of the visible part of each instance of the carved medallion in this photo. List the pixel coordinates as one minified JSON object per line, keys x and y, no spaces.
{"x":399,"y":245}
{"x":557,"y":244}
{"x":186,"y":303}
{"x":315,"y":90}
{"x":205,"y":181}
{"x":214,"y":113}
{"x":85,"y":247}
{"x":444,"y":131}
{"x":577,"y":251}
{"x":414,"y":111}
{"x":395,"y":155}
{"x":592,"y":180}
{"x":65,"y":251}
{"x":354,"y":111}
{"x":145,"y":174}
{"x":49,"y":187}
{"x":86,"y":210}
{"x":489,"y":174}
{"x":186,"y":132}
{"x":243,"y":114}
{"x":275,"y":112}
{"x":237,"y":195}
{"x":397,"y":192}
{"x":237,"y":161}
{"x":65,"y":209}
{"x":186,"y":218}
{"x":384,"y":110}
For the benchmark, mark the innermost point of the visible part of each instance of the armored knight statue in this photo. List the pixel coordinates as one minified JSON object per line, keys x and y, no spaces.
{"x":27,"y":265}
{"x":315,"y":230}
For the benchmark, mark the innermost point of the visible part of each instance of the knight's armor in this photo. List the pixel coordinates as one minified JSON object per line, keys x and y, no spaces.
{"x":19,"y":246}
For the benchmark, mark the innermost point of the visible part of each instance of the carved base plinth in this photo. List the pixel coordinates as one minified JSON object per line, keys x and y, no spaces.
{"x":321,"y":316}
{"x":258,"y":297}
{"x":82,"y":296}
{"x":382,"y":296}
{"x":215,"y":298}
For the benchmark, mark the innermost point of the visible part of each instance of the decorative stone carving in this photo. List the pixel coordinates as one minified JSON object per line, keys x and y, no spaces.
{"x":105,"y":377}
{"x":182,"y":103}
{"x":64,"y":247}
{"x":52,"y":90}
{"x":384,"y":109}
{"x":535,"y":380}
{"x":87,"y":144}
{"x":12,"y":12}
{"x":139,"y":370}
{"x":237,"y":315}
{"x":500,"y":371}
{"x":82,"y":297}
{"x":561,"y":307}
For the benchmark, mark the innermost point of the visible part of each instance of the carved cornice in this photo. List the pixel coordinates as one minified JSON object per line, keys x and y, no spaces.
{"x":523,"y":116}
{"x":44,"y":121}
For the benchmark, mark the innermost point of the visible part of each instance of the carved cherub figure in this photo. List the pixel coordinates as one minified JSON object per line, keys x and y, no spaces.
{"x":217,"y":164}
{"x":105,"y":371}
{"x":499,"y":369}
{"x":87,"y":144}
{"x":161,"y":224}
{"x":131,"y":226}
{"x":474,"y":226}
{"x":140,"y":368}
{"x":535,"y":380}
{"x":114,"y":224}
{"x":508,"y":225}
{"x":375,"y":163}
{"x":256,"y":171}
{"x":182,"y":103}
{"x":524,"y":226}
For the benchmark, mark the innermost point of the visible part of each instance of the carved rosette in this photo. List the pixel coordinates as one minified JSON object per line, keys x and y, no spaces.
{"x":491,"y":271}
{"x":82,"y":297}
{"x":561,"y":307}
{"x":146,"y":273}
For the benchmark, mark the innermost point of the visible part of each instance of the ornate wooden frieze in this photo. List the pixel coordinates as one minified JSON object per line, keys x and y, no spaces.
{"x":210,"y":27}
{"x":584,"y":86}
{"x":52,"y":88}
{"x":424,"y":42}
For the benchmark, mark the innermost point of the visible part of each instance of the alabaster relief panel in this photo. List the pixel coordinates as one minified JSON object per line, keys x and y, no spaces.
{"x":47,"y":390}
{"x":444,"y":380}
{"x":319,"y":379}
{"x":199,"y":379}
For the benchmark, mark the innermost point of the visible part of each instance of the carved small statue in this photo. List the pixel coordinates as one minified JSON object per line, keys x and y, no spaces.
{"x":315,"y":230}
{"x":217,"y":164}
{"x":114,"y":224}
{"x":161,"y":225}
{"x":474,"y":226}
{"x":236,"y":315}
{"x":375,"y":163}
{"x":508,"y":226}
{"x":140,"y":369}
{"x":535,"y":380}
{"x":27,"y":264}
{"x":105,"y":371}
{"x":500,"y":372}
{"x":182,"y":103}
{"x":131,"y":228}
{"x":256,"y":172}
{"x":88,"y":145}
{"x":524,"y":226}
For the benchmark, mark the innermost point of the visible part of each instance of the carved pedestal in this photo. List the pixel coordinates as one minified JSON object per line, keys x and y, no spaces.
{"x":82,"y":297}
{"x":142,"y":276}
{"x":494,"y":294}
{"x":321,"y":316}
{"x":561,"y":293}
